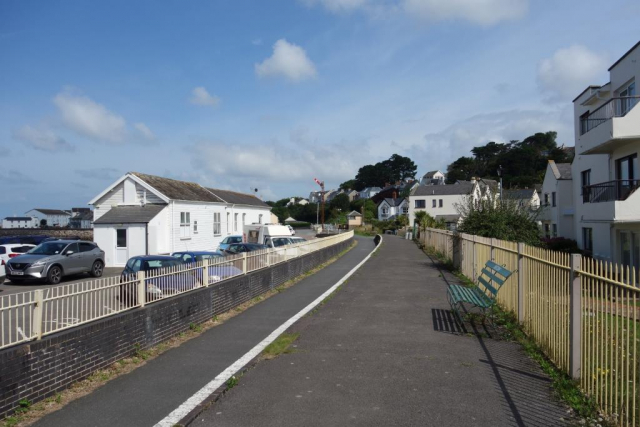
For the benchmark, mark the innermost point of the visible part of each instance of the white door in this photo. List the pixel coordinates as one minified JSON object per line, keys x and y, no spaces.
{"x":122,"y":254}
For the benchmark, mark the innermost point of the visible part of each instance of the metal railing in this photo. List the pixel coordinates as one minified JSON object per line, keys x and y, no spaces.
{"x":610,"y":191}
{"x":31,"y":315}
{"x":615,"y":107}
{"x":584,"y":314}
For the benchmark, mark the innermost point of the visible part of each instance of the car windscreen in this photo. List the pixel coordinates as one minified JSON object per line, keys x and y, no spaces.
{"x":206,"y":256}
{"x":49,"y":248}
{"x":280,"y":241}
{"x":162,"y":263}
{"x":235,"y":239}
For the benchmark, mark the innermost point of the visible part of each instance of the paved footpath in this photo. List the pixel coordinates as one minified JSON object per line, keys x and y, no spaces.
{"x":151,"y":392}
{"x":385,"y":352}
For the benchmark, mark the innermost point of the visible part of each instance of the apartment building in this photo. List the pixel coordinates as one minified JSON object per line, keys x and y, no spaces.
{"x":557,"y":215}
{"x":605,"y":169}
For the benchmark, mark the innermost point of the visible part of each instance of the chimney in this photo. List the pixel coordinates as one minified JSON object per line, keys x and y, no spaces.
{"x":394,"y":195}
{"x":473,"y":179}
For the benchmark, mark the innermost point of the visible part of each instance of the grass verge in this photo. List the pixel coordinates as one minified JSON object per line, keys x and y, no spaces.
{"x":29,"y":413}
{"x":282,"y":345}
{"x":565,"y":388}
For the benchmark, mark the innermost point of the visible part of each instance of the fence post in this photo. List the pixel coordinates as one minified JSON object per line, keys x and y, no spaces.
{"x":575,"y":318}
{"x":38,"y":308}
{"x":141,"y":290}
{"x":493,"y":248}
{"x":520,"y":282}
{"x":473,"y":267}
{"x":205,"y":272}
{"x":244,"y":262}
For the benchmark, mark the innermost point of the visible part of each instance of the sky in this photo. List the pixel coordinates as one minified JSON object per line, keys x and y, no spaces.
{"x":239,"y":95}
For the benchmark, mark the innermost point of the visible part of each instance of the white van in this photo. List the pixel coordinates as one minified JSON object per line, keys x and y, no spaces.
{"x":272,"y":235}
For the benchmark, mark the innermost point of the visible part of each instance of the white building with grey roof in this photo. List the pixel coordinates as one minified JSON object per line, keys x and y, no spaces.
{"x":557,"y":202}
{"x":441,"y":201}
{"x":142,"y":214}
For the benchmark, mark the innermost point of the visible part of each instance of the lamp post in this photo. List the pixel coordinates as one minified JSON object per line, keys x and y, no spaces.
{"x":500,"y":175}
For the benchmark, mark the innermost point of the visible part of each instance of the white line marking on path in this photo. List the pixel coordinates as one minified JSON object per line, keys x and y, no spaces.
{"x":190,"y":404}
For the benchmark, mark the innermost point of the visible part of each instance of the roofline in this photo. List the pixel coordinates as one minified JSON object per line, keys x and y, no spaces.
{"x":624,"y":56}
{"x":136,"y":179}
{"x":588,"y":87}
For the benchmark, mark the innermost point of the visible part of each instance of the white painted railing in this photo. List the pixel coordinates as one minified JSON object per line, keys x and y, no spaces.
{"x":30,"y":315}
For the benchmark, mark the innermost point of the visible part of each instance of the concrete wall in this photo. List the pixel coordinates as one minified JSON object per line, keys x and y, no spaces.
{"x":40,"y":369}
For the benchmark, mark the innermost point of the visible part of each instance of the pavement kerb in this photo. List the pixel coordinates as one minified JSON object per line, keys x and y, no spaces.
{"x":212,"y":396}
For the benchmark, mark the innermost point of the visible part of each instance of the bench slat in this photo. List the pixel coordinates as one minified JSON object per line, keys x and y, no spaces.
{"x":470,"y":295}
{"x":499,"y":269}
{"x":487,"y":285}
{"x":493,"y":277}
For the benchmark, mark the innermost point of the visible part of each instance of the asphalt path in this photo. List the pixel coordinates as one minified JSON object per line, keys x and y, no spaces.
{"x":151,"y":392}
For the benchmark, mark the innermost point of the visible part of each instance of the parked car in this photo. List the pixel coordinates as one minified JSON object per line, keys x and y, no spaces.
{"x":238,"y":248}
{"x":12,"y":250}
{"x":187,"y":257}
{"x":3,"y":275}
{"x":54,"y":260}
{"x":293,"y":232}
{"x":156,"y":287}
{"x":229,"y":240}
{"x":216,"y":272}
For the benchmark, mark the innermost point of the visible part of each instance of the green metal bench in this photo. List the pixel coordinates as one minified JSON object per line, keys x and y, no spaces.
{"x":482,"y":296}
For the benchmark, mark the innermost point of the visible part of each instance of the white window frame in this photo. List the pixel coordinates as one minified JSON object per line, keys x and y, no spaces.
{"x":217,"y":227}
{"x":228,"y":222}
{"x":195,"y":227}
{"x":235,"y":222}
{"x":185,"y":225}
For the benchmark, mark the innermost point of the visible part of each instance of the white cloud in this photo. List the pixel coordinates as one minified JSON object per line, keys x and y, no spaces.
{"x":89,"y":118}
{"x":200,"y":96}
{"x":337,"y":5}
{"x":144,"y":131}
{"x":482,"y":12}
{"x":288,"y":60}
{"x":569,"y":71}
{"x":42,"y":139}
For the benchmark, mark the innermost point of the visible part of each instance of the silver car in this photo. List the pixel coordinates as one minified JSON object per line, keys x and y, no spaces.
{"x":53,"y":260}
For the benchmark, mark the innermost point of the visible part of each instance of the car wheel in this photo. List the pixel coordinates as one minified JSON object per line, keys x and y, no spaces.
{"x":97,"y":269}
{"x":54,"y":275}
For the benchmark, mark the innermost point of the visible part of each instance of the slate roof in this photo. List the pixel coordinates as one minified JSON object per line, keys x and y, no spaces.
{"x":443,"y":190}
{"x":52,"y":211}
{"x":18,"y":218}
{"x":237,"y":198}
{"x":391,"y":202}
{"x":179,"y":190}
{"x":565,"y":170}
{"x":355,"y":213}
{"x":520,"y":194}
{"x":130,"y":214}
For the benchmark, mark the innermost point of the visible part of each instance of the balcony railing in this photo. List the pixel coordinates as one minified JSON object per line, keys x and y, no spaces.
{"x":610,"y":191}
{"x":615,"y":107}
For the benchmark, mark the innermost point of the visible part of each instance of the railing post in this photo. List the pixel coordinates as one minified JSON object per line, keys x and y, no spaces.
{"x":521,"y":282}
{"x":141,"y":289}
{"x":205,"y":272}
{"x":493,"y":247}
{"x":575,"y":318}
{"x":38,"y":300}
{"x":244,"y":262}
{"x":473,"y":267}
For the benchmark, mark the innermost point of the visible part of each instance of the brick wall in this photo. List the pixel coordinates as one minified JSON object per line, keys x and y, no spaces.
{"x":83,"y":233}
{"x":40,"y":369}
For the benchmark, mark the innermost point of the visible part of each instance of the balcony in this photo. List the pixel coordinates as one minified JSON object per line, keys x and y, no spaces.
{"x":611,"y":191}
{"x":610,"y":126}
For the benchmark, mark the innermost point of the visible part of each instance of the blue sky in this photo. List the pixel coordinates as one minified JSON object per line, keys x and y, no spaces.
{"x":253,"y":94}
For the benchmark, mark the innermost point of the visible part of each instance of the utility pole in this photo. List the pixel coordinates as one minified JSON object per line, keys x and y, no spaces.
{"x":321,"y":184}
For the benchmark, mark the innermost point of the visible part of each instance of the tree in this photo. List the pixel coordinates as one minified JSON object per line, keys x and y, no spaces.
{"x":43,"y":223}
{"x":462,"y":169}
{"x":400,"y":167}
{"x":396,"y":168}
{"x":348,"y":185}
{"x":505,"y":220}
{"x":340,"y":202}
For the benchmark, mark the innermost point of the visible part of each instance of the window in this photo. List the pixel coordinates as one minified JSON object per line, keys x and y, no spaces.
{"x":2,"y":250}
{"x":555,"y":230}
{"x":260,"y":219}
{"x":628,"y":100}
{"x":121,"y":238}
{"x":547,"y":232}
{"x":553,"y":199}
{"x":185,"y":225}
{"x":405,"y":210}
{"x":420,"y":204}
{"x":235,"y":222}
{"x":73,"y":248}
{"x":195,"y":227}
{"x":86,"y":247}
{"x":228,"y":223}
{"x":440,"y":203}
{"x":244,"y":219}
{"x":546,"y":199}
{"x":217,"y":229}
{"x":433,"y":203}
{"x":587,"y":239}
{"x":626,"y":174}
{"x":585,"y":177}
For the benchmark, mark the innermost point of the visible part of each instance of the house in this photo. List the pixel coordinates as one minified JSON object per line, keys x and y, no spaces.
{"x":145,"y":214}
{"x":290,"y":220}
{"x":297,"y":201}
{"x":353,"y":195}
{"x":392,"y":207}
{"x":557,"y":202}
{"x":441,"y":201}
{"x":355,"y":219}
{"x":605,"y":168}
{"x":50,"y":217}
{"x":81,"y":218}
{"x":20,"y":222}
{"x":525,"y":198}
{"x":369,"y":192}
{"x":315,"y":197}
{"x":432,"y":178}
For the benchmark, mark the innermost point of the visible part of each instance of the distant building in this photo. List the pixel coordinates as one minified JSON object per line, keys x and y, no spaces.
{"x":392,"y":208}
{"x":526,"y":198}
{"x":369,"y":192}
{"x":432,"y":178}
{"x":354,"y":219}
{"x":50,"y":217}
{"x":557,"y":201}
{"x":441,"y":201}
{"x":19,"y":222}
{"x":82,"y":218}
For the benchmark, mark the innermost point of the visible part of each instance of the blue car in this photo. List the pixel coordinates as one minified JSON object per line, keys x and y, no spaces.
{"x":156,"y":287}
{"x":216,"y":272}
{"x":229,"y":240}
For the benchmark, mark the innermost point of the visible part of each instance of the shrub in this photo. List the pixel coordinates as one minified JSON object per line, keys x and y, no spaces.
{"x":561,"y":244}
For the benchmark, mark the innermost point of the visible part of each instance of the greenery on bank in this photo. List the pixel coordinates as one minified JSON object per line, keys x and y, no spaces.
{"x":281,"y":345}
{"x":565,"y":388}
